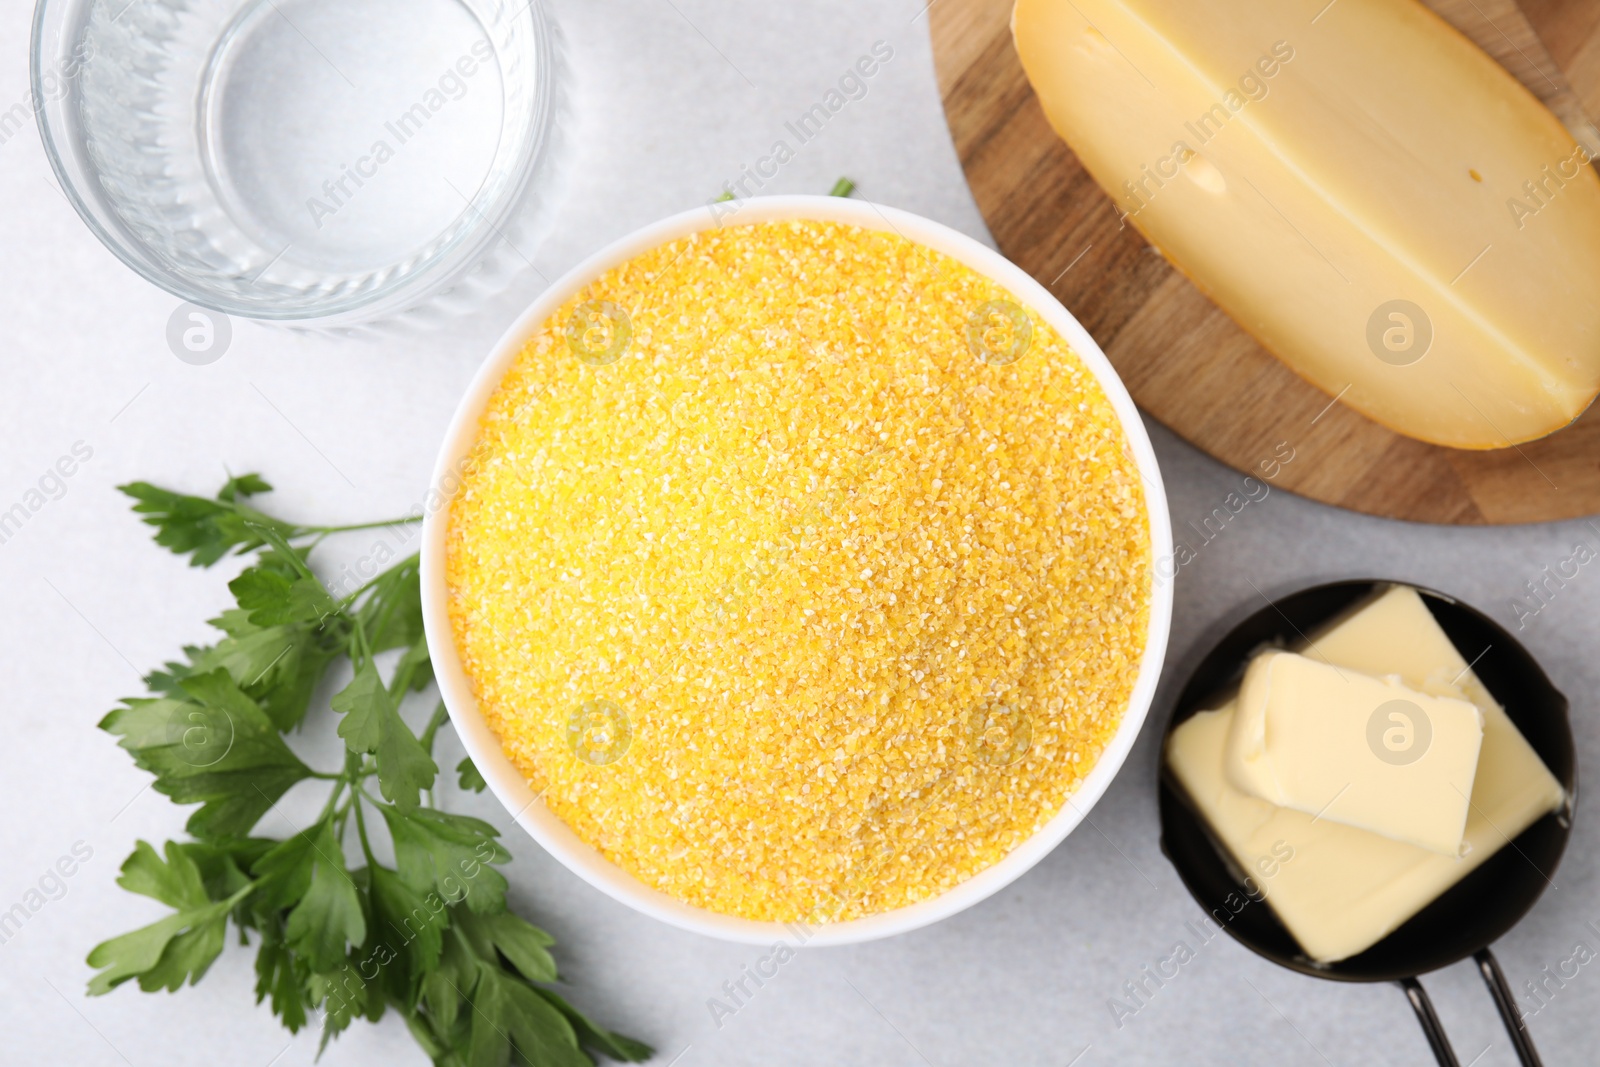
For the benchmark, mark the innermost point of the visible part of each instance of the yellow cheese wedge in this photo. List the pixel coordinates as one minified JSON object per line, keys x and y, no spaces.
{"x":1365,"y":191}
{"x":1367,"y":752}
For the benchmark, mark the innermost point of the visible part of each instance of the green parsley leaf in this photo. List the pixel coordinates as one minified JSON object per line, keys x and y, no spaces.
{"x":345,"y":996}
{"x":414,"y":671}
{"x":469,"y":776}
{"x":222,"y":866}
{"x":372,"y":723}
{"x":329,"y":915}
{"x":279,"y":976}
{"x":299,"y":657}
{"x":275,"y":599}
{"x":506,"y":1010}
{"x":422,"y":1033}
{"x":442,"y":996}
{"x":136,"y":954}
{"x":175,"y":881}
{"x":278,"y":666}
{"x":591,"y":1036}
{"x":450,"y":855}
{"x":490,"y":1042}
{"x":391,"y":617}
{"x":392,"y":613}
{"x":408,"y":924}
{"x":217,"y":748}
{"x":190,"y":954}
{"x":242,"y":486}
{"x":498,"y":940}
{"x":283,"y":874}
{"x":205,"y":530}
{"x":170,"y":950}
{"x":519,"y":941}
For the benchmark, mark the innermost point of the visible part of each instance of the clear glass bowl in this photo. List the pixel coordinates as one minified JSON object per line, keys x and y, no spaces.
{"x":315,"y":161}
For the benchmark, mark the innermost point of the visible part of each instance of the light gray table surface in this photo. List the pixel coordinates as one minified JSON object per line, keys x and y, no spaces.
{"x":675,"y":96}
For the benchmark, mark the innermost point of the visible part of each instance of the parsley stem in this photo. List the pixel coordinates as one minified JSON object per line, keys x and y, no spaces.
{"x":347,"y":601}
{"x":361,"y":831}
{"x":362,"y":652}
{"x":374,"y":801}
{"x":351,"y":599}
{"x":342,"y":818}
{"x":380,"y":805}
{"x":440,"y":714}
{"x":352,"y":765}
{"x":333,"y":798}
{"x":234,"y":900}
{"x":401,"y":682}
{"x":281,"y":544}
{"x":408,"y":520}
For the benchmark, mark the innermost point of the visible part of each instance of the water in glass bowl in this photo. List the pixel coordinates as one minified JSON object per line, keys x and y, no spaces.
{"x":316,"y":160}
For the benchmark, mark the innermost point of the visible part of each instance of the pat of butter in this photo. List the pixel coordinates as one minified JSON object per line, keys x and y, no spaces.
{"x":1368,"y":752}
{"x":1371,"y":196}
{"x":1342,"y":889}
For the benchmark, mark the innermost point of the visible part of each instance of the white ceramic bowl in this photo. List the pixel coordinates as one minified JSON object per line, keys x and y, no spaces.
{"x":507,"y":782}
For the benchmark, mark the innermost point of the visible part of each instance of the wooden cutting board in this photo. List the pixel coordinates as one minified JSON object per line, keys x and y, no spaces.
{"x":1184,"y":360}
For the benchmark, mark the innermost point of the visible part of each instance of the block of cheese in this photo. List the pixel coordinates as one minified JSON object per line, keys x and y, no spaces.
{"x":1367,"y":752}
{"x":1365,"y":191}
{"x":1345,"y":889}
{"x":1337,"y":889}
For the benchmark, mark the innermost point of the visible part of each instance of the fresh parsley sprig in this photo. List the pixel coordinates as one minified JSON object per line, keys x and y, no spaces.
{"x":431,"y":937}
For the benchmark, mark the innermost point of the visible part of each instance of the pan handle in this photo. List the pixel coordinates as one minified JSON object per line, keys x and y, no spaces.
{"x":1437,"y":1039}
{"x":1500,"y":989}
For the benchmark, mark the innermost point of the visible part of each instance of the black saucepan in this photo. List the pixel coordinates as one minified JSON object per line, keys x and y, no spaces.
{"x":1471,"y":915}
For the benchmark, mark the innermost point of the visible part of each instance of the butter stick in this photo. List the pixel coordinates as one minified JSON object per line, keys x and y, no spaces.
{"x":1367,"y":752}
{"x":1360,"y":187}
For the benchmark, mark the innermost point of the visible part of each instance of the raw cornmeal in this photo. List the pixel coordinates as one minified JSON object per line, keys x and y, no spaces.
{"x":800,"y":609}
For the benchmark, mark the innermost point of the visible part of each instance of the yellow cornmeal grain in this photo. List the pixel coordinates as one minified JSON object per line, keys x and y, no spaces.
{"x":862,"y":607}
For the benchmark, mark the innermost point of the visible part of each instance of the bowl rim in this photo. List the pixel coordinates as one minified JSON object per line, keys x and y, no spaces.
{"x":507,"y":783}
